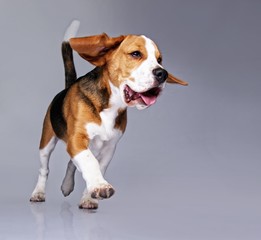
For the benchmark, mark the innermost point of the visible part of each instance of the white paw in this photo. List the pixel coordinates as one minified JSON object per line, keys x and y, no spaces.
{"x":101,"y":191}
{"x":38,"y":197}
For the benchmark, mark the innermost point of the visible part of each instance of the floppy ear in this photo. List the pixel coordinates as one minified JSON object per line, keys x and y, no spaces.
{"x":172,"y":79}
{"x":95,"y":48}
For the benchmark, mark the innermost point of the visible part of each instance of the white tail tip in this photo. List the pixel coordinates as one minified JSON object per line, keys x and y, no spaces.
{"x":71,"y":30}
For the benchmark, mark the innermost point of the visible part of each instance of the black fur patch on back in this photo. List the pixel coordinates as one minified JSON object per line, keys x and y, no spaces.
{"x":56,"y":114}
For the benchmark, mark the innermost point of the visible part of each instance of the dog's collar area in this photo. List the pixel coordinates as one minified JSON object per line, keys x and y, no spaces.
{"x":147,"y":98}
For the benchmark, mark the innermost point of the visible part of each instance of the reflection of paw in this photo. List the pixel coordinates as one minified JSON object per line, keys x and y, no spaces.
{"x":102,"y":191}
{"x":38,"y":197}
{"x":89,"y":204}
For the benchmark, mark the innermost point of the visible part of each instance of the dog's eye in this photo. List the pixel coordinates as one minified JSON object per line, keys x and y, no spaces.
{"x":136,"y":54}
{"x":159,"y":60}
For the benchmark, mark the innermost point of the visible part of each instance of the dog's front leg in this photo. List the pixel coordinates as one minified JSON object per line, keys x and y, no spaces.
{"x":88,"y":165}
{"x":96,"y":186}
{"x":104,"y":159}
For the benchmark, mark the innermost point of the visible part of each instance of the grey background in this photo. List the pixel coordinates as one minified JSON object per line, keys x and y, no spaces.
{"x":187,"y":168}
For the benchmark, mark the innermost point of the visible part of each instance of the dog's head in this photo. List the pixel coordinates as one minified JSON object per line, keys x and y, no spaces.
{"x":133,"y":64}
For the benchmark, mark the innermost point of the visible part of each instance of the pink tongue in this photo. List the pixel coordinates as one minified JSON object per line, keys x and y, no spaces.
{"x":148,"y":100}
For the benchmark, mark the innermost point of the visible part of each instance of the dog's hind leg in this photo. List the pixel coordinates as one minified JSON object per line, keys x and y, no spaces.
{"x":47,"y":145}
{"x":68,"y":181}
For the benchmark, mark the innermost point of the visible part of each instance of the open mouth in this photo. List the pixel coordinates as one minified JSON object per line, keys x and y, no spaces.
{"x":146,"y":98}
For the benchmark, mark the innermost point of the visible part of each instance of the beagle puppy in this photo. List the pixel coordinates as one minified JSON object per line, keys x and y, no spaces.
{"x":90,"y":114}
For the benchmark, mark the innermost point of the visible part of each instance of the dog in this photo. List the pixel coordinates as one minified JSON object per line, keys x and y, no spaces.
{"x":90,"y":114}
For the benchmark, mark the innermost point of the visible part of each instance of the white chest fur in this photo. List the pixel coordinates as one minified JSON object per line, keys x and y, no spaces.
{"x":106,"y":133}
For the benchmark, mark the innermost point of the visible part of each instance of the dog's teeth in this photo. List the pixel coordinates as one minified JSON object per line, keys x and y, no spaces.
{"x":127,"y":96}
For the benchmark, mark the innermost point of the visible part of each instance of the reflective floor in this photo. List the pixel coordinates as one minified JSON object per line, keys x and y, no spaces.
{"x":218,"y":215}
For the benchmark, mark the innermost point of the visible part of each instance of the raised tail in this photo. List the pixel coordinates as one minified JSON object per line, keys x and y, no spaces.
{"x":67,"y":53}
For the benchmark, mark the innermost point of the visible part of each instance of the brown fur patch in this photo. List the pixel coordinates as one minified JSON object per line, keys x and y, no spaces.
{"x":123,"y":63}
{"x":78,"y":113}
{"x":47,"y":132}
{"x":121,"y":120}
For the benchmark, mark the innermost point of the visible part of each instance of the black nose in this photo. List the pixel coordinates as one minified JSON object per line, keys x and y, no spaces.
{"x":160,"y":74}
